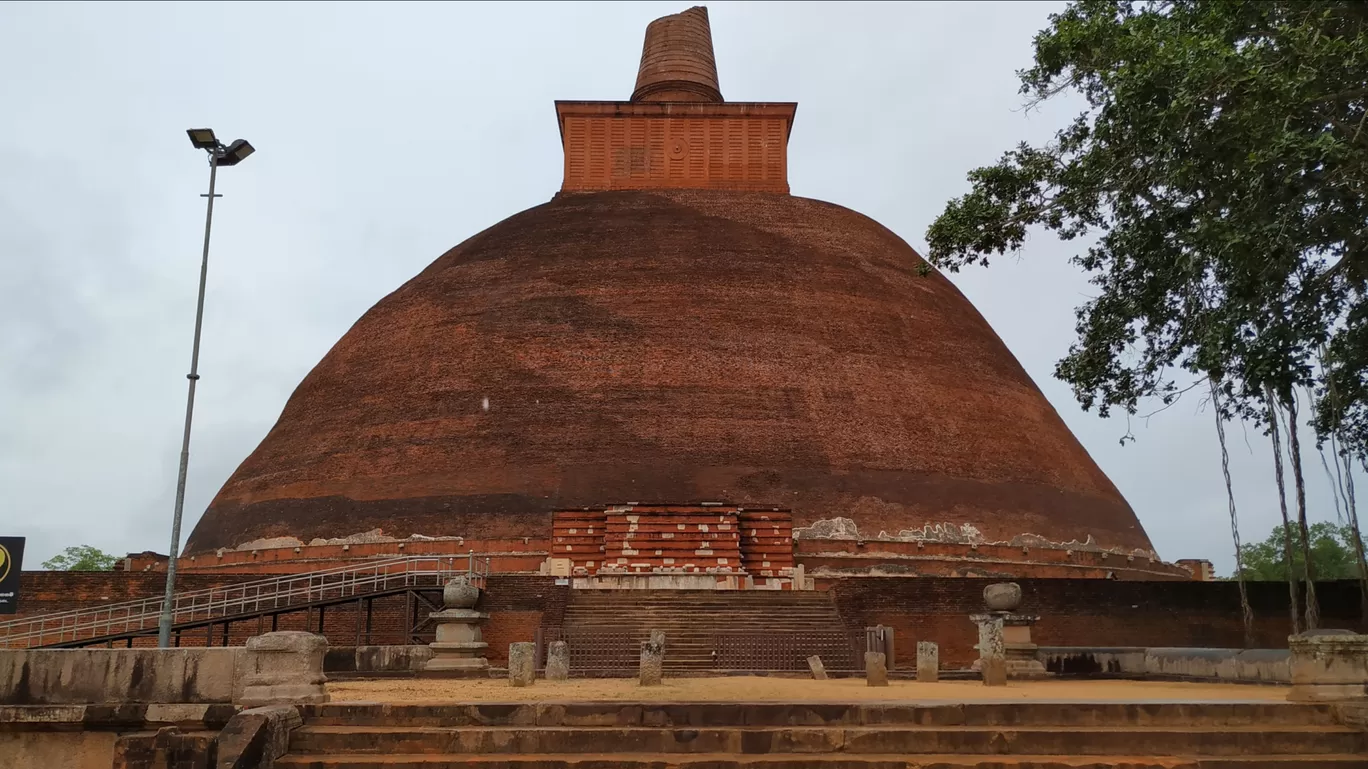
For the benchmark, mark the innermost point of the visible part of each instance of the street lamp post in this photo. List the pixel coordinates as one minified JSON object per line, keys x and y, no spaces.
{"x":219,"y":155}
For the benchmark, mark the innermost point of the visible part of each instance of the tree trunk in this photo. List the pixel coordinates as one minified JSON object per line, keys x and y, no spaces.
{"x":1294,"y":608}
{"x":1344,"y":461}
{"x":1308,"y":568}
{"x":1245,"y":611}
{"x":1351,"y":510}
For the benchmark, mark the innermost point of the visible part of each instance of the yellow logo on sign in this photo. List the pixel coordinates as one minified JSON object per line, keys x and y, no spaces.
{"x":4,"y":563}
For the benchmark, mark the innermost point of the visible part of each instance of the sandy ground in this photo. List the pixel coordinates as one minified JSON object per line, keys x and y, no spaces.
{"x":765,"y":689}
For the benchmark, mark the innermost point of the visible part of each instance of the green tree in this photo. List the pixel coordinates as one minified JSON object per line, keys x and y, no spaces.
{"x":81,"y":558}
{"x":1220,"y":173}
{"x":1332,"y":554}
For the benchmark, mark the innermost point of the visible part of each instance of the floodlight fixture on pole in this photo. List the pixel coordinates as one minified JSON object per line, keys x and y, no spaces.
{"x":219,"y":155}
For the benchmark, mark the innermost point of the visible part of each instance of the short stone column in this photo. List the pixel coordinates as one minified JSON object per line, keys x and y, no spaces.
{"x":1019,"y":651}
{"x":928,"y":662}
{"x":818,"y":669}
{"x":652,"y":659}
{"x":522,"y":663}
{"x":1328,"y":666}
{"x":992,"y":662}
{"x":876,"y":669}
{"x":459,"y":649}
{"x":285,"y":668}
{"x":558,"y":661}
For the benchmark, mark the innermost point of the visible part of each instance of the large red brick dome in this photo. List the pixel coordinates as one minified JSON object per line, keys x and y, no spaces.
{"x":671,"y":345}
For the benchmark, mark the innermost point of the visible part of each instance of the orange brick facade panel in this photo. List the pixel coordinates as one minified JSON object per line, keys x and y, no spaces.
{"x":738,"y":149}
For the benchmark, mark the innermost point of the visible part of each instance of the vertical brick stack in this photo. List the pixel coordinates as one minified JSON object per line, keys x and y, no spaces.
{"x":672,"y":539}
{"x":578,"y":535}
{"x":767,"y":542}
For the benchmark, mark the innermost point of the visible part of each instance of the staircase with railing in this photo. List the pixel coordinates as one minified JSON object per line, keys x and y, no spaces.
{"x":243,"y":599}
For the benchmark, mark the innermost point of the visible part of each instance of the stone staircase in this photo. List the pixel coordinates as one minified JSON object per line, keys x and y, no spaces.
{"x":737,"y":630}
{"x":1036,"y":735}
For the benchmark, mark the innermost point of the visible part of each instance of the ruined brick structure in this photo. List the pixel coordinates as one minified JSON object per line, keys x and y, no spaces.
{"x":673,"y":326}
{"x":717,"y":542}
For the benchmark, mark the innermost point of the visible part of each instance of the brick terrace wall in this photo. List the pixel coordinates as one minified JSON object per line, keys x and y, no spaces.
{"x":1083,"y":612}
{"x":1074,"y":612}
{"x":830,"y":557}
{"x":43,"y":592}
{"x":517,"y":605}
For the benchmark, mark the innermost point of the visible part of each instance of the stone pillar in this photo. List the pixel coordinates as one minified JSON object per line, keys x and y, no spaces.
{"x":522,"y":664}
{"x":876,"y":671}
{"x":285,"y":668}
{"x":459,"y":648}
{"x":992,"y":662}
{"x":817,"y":668}
{"x":653,"y":659}
{"x":1328,"y":666}
{"x":928,"y":662}
{"x":558,"y":661}
{"x":1019,"y":651}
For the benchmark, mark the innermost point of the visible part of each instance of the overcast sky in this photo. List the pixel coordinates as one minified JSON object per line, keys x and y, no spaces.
{"x":389,"y":132}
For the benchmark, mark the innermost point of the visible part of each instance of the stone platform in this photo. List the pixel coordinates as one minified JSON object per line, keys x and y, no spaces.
{"x":798,"y":689}
{"x":1038,"y":725}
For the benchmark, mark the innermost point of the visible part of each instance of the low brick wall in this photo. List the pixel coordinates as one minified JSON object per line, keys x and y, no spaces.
{"x":1073,"y":612}
{"x":1083,"y":612}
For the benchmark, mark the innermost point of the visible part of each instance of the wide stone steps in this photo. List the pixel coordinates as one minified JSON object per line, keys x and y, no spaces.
{"x":1021,"y":735}
{"x":753,"y":630}
{"x":836,"y":714}
{"x":840,"y":761}
{"x":875,"y":740}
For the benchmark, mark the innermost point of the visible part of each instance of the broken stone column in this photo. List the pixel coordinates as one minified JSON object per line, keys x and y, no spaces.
{"x":992,"y":662}
{"x":459,"y":648}
{"x":876,"y":671}
{"x":558,"y":661}
{"x":255,"y":738}
{"x":285,"y":668}
{"x":522,"y":663}
{"x":928,"y":662}
{"x":1328,"y":666}
{"x":653,"y":659}
{"x":817,"y":668}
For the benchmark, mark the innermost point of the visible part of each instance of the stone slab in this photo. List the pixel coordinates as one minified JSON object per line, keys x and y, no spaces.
{"x":81,"y":676}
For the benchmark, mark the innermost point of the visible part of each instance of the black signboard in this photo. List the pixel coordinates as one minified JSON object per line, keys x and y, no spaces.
{"x":11,"y":561}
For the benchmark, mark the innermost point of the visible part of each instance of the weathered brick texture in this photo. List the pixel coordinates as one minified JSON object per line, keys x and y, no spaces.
{"x":1084,"y":612}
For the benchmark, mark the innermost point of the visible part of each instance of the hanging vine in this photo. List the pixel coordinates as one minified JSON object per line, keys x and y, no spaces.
{"x":1295,"y":605}
{"x":1245,"y":611}
{"x":1308,"y":568}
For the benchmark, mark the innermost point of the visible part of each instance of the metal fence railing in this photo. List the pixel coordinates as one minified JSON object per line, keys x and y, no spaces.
{"x":244,"y":598}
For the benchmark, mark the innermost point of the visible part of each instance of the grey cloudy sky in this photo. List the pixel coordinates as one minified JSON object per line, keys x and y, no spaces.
{"x":387,"y":133}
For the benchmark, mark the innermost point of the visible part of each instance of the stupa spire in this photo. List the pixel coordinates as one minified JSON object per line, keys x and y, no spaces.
{"x":677,"y":61}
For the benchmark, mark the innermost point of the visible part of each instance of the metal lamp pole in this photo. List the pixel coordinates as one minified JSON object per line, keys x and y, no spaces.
{"x":202,"y":138}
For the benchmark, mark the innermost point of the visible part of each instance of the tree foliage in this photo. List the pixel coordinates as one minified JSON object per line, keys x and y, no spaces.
{"x":1332,"y":554}
{"x":81,"y":558}
{"x":1219,"y":173}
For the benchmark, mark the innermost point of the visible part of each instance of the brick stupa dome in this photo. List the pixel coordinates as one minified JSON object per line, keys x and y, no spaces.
{"x":673,"y":326}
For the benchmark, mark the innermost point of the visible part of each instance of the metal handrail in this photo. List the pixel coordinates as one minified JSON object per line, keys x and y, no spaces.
{"x":277,"y":592}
